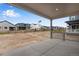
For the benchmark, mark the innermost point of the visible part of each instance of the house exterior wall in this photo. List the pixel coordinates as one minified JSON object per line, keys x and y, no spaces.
{"x":4,"y":26}
{"x":27,"y":26}
{"x":73,"y":27}
{"x":71,"y":18}
{"x":35,"y":26}
{"x":22,"y":25}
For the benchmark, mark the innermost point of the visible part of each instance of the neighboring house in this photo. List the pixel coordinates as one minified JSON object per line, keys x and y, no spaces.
{"x":44,"y":28}
{"x":35,"y":27}
{"x":6,"y":26}
{"x":73,"y":24}
{"x":57,"y":28}
{"x":22,"y":26}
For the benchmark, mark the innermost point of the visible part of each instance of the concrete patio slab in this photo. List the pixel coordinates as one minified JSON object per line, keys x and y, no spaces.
{"x":24,"y":51}
{"x":50,"y":47}
{"x":67,"y":48}
{"x":34,"y":49}
{"x":44,"y":46}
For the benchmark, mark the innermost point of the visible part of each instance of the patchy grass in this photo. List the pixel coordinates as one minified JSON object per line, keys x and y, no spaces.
{"x":2,"y":33}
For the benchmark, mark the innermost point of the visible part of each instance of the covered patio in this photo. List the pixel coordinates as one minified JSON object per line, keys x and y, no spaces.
{"x":51,"y":46}
{"x":51,"y":11}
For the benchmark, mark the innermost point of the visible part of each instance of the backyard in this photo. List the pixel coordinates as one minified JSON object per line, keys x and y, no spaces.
{"x":16,"y":40}
{"x":10,"y":41}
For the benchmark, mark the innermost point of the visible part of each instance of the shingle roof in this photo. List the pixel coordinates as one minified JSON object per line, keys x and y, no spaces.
{"x":7,"y":22}
{"x":21,"y":24}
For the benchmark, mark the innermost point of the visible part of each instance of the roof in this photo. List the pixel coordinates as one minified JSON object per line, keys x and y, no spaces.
{"x":21,"y":24}
{"x":7,"y":22}
{"x":73,"y":22}
{"x":50,"y":10}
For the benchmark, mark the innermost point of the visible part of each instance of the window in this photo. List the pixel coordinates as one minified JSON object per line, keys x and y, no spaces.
{"x":72,"y":18}
{"x":5,"y":27}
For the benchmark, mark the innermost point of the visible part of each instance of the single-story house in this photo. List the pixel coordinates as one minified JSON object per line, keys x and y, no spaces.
{"x":22,"y":26}
{"x":57,"y":28}
{"x":6,"y":26}
{"x":35,"y":27}
{"x":44,"y":28}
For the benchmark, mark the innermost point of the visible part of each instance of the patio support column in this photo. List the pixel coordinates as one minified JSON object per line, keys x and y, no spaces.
{"x":64,"y":36}
{"x":51,"y":29}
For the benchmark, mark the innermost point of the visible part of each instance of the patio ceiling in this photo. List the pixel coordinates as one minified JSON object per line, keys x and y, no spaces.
{"x":50,"y":10}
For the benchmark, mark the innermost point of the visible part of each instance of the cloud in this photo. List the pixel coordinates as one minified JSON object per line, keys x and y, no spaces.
{"x":1,"y":3}
{"x":10,"y":13}
{"x":11,"y":6}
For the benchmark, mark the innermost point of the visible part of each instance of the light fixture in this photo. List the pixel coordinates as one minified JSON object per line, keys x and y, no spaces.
{"x":57,"y":9}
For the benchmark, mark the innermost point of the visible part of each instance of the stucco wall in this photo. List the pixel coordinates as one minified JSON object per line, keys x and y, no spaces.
{"x":74,"y":37}
{"x":3,"y":25}
{"x":38,"y":27}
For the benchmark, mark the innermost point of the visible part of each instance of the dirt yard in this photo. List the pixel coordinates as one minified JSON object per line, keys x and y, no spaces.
{"x":11,"y":41}
{"x":16,"y":40}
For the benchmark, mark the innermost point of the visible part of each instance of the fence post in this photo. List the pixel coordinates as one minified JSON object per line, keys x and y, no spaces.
{"x":64,"y":35}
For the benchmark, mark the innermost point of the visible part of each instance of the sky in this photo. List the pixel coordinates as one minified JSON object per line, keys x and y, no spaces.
{"x":18,"y":15}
